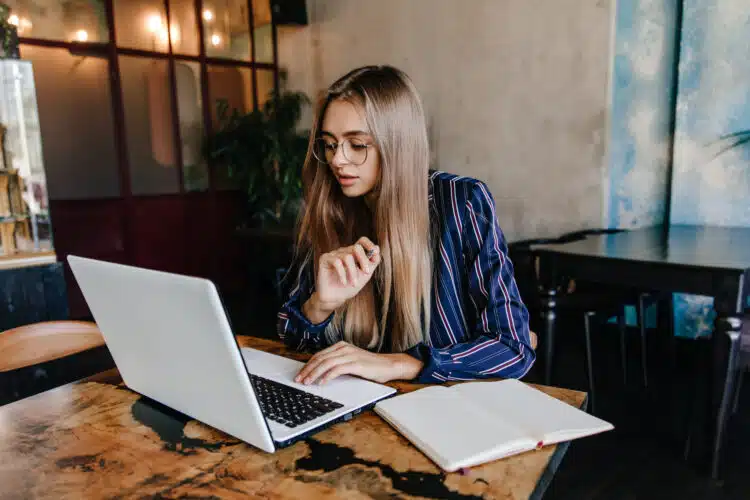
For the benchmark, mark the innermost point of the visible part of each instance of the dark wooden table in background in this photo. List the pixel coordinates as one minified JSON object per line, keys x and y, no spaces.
{"x":98,"y":439}
{"x":701,"y":260}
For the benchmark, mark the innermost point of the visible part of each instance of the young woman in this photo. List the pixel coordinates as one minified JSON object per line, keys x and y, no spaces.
{"x":401,"y":272}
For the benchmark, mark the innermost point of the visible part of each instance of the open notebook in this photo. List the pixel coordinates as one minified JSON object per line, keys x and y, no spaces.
{"x":476,"y":422}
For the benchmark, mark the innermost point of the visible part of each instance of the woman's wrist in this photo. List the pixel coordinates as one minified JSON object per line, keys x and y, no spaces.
{"x":316,"y":310}
{"x":405,"y":367}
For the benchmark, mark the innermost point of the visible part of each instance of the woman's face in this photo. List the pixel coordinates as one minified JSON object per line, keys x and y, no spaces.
{"x":350,"y":149}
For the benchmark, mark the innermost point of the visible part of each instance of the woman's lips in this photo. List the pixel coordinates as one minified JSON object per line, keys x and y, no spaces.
{"x":346,"y":180}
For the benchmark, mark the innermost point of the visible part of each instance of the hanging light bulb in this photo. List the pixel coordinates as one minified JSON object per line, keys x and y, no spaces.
{"x":24,"y":26}
{"x":174,"y":32}
{"x":154,"y":23}
{"x":81,"y":36}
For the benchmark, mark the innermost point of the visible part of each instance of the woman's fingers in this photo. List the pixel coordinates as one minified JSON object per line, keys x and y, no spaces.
{"x":371,"y":249}
{"x":362,"y":260}
{"x":320,"y":357}
{"x":333,"y":261}
{"x":316,"y":358}
{"x":352,"y":272}
{"x":366,"y":243}
{"x":349,"y":368}
{"x":350,"y":262}
{"x":340,"y":357}
{"x":338,"y":264}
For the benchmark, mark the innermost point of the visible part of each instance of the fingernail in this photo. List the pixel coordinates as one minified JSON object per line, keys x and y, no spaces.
{"x":307,"y":381}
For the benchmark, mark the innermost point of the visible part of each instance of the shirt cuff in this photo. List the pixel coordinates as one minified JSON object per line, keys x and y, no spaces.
{"x":432,"y":359}
{"x":295,"y":309}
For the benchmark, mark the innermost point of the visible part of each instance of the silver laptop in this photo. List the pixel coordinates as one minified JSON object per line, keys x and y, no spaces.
{"x":171,"y":341}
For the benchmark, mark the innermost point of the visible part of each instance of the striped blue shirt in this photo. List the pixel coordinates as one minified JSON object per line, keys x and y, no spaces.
{"x":479,"y":326}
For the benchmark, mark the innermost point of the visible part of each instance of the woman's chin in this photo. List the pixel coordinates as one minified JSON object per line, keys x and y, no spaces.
{"x":354,"y":191}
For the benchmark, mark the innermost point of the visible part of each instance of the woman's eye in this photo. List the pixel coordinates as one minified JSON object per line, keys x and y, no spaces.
{"x":331,"y":146}
{"x":358,"y":146}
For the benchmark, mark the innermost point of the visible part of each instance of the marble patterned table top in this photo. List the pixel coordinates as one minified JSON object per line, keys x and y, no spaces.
{"x":98,"y":439}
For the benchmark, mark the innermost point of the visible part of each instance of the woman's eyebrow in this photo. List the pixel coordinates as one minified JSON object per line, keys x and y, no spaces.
{"x":350,"y":133}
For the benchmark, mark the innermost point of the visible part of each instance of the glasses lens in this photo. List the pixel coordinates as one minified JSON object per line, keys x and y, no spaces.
{"x":355,"y":151}
{"x":322,"y":151}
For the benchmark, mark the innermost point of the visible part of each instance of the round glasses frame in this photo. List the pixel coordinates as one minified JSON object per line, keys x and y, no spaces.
{"x":354,"y":150}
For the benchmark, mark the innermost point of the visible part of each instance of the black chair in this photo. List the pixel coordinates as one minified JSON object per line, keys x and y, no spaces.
{"x":639,"y":299}
{"x":738,"y":363}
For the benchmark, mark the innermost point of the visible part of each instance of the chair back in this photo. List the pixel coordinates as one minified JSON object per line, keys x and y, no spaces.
{"x":33,"y":294}
{"x":745,"y":341}
{"x":523,"y":259}
{"x":39,"y":343}
{"x":40,"y":356}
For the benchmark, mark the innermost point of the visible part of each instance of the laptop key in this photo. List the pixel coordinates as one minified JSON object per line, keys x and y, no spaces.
{"x":288,"y":405}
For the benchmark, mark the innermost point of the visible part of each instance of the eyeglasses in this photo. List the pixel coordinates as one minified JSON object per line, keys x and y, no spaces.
{"x":355,"y":150}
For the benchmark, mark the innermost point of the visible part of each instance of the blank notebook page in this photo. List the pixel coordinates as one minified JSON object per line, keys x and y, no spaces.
{"x":541,"y":416}
{"x":448,"y":427}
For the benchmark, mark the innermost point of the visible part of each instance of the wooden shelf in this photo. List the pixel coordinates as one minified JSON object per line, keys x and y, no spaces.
{"x":26,"y":259}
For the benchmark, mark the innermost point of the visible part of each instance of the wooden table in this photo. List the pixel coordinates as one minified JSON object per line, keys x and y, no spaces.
{"x":701,"y":260}
{"x":98,"y":439}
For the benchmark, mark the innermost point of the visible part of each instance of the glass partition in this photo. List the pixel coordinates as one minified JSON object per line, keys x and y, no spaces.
{"x":70,"y":21}
{"x":24,"y":208}
{"x":226,"y":27}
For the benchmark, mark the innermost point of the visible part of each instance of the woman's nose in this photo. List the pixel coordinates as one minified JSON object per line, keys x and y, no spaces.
{"x":338,"y":156}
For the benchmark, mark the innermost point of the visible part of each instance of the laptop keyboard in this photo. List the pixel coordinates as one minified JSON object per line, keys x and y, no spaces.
{"x":287,"y":405}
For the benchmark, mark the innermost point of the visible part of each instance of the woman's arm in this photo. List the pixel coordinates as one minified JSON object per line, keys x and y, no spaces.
{"x":341,"y":275}
{"x":300,"y":323}
{"x":500,"y":344}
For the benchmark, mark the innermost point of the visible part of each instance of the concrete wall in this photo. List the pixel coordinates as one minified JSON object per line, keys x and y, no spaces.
{"x":516,"y":91}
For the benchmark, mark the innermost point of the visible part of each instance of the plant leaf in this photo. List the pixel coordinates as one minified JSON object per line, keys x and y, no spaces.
{"x":735,"y":140}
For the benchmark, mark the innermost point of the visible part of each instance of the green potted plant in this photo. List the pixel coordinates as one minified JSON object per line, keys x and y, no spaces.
{"x":734,"y":140}
{"x":262,"y":152}
{"x":8,"y":35}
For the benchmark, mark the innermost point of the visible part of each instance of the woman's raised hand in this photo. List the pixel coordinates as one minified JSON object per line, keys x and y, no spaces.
{"x":342,"y":273}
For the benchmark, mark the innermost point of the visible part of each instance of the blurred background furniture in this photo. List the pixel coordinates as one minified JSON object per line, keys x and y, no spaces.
{"x":43,"y":355}
{"x":594,"y":304}
{"x":32,"y":294}
{"x":738,"y":363}
{"x":702,"y":260}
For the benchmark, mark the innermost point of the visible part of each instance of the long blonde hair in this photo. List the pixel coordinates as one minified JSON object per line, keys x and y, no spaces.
{"x":398,"y":222}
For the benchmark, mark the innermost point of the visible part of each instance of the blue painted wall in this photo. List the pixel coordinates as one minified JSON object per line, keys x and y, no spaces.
{"x":713,"y":100}
{"x":641,"y":109}
{"x":640,"y":120}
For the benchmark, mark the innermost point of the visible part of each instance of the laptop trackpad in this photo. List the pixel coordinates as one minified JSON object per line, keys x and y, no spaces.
{"x":267,"y":364}
{"x":345,"y":389}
